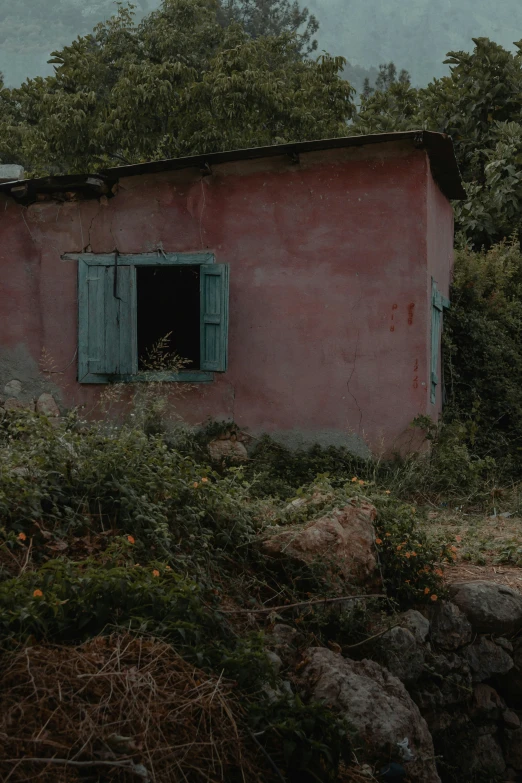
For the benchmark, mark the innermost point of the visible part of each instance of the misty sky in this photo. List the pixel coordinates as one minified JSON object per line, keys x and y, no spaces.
{"x":416,"y":34}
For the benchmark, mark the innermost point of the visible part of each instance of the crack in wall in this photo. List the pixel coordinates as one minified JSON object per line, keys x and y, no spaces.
{"x":352,"y":395}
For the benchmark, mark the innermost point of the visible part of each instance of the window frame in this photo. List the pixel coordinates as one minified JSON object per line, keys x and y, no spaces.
{"x":134,"y":260}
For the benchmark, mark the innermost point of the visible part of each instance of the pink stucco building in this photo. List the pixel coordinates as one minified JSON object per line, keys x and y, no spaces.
{"x":305,"y":284}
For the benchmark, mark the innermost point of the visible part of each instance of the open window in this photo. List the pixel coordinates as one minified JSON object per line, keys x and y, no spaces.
{"x":439,"y":303}
{"x":128,"y":303}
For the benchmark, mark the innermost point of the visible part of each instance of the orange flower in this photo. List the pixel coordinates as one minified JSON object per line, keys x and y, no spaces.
{"x":38,"y":594}
{"x":387,"y":492}
{"x":378,"y":540}
{"x":439,"y":572}
{"x":131,"y":540}
{"x":361,"y":482}
{"x":388,"y":534}
{"x":155,"y":572}
{"x":434,"y":598}
{"x":204,"y":480}
{"x":195,"y":485}
{"x":407,"y":554}
{"x":399,"y":548}
{"x":426,"y":590}
{"x":458,"y":539}
{"x":453,"y":548}
{"x":354,"y":479}
{"x":407,"y":581}
{"x":21,"y":536}
{"x":414,"y":554}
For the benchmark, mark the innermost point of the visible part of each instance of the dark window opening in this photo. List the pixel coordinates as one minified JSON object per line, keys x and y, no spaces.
{"x":168,"y":303}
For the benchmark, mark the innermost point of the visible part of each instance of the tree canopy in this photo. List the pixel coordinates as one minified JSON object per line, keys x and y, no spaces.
{"x":480,"y":105}
{"x":271,"y":18}
{"x":177,"y":83}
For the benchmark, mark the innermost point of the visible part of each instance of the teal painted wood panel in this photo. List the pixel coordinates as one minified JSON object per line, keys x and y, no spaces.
{"x":438,"y":304}
{"x":107,"y":345}
{"x":142,"y":259}
{"x":214,"y":295}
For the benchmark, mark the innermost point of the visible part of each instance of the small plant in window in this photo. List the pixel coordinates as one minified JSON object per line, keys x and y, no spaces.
{"x":160,"y":359}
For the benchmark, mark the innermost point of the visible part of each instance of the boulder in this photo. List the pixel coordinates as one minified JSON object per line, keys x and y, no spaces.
{"x":513,"y":748}
{"x":447,"y":681}
{"x":13,"y":404}
{"x":490,"y":607}
{"x":450,"y":628}
{"x":487,"y":659}
{"x":376,"y":705}
{"x":510,"y":684}
{"x":343,"y":541}
{"x":511,"y":719}
{"x":282,"y":635}
{"x":232,"y":450}
{"x":486,"y":704}
{"x":13,"y":388}
{"x":485,"y":758}
{"x":46,"y":405}
{"x":401,"y":655}
{"x":415,"y":622}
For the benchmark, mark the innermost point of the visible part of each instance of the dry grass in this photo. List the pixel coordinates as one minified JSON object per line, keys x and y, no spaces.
{"x":486,"y":546}
{"x":118,"y":709}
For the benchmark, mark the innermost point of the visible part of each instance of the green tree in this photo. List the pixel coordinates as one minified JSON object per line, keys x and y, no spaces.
{"x":178,"y":83}
{"x":482,"y":352}
{"x":385,"y":79}
{"x":272,"y":18}
{"x":480,"y":106}
{"x":395,"y":108}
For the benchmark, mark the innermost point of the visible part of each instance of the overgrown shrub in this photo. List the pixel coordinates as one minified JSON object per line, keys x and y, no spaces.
{"x":308,"y":741}
{"x":67,"y":602}
{"x":62,"y":482}
{"x":483,"y":353}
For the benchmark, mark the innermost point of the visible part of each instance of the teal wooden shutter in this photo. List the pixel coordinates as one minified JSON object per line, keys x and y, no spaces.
{"x":438,"y":304}
{"x":107,"y":345}
{"x":214,"y":316}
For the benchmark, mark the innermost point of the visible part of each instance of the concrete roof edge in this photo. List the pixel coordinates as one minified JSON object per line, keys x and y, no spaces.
{"x":439,"y":147}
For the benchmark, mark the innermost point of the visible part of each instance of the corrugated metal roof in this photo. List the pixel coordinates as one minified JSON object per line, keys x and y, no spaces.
{"x":439,"y":147}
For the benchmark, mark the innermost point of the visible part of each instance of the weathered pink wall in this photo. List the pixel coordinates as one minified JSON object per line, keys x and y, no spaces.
{"x":329,"y":301}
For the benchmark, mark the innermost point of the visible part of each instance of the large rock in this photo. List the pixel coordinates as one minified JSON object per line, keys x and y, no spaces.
{"x":487,"y":659}
{"x":401,"y":655}
{"x":446,"y":681}
{"x":450,"y":628}
{"x":231,"y":450}
{"x":376,"y":705}
{"x":46,"y":405}
{"x":343,"y":541}
{"x":510,"y":684}
{"x":415,"y":622}
{"x":13,"y":404}
{"x":486,"y":704}
{"x":513,"y":747}
{"x":490,"y":607}
{"x":484,"y":758}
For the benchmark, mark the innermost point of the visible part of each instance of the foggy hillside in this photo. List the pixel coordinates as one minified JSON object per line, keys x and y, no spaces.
{"x":416,"y":34}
